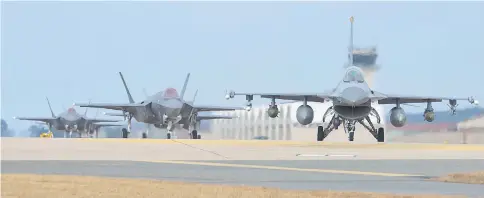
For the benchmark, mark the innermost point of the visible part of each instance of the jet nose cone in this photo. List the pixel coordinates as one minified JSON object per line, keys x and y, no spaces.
{"x":354,"y":95}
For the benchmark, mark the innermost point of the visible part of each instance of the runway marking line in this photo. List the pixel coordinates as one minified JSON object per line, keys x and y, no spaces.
{"x":284,"y":168}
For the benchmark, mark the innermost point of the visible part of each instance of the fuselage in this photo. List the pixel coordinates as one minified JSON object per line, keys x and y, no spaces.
{"x":70,"y":121}
{"x":352,"y":96}
{"x":161,"y":108}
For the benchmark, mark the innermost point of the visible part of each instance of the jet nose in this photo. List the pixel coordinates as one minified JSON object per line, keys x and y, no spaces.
{"x":354,"y":96}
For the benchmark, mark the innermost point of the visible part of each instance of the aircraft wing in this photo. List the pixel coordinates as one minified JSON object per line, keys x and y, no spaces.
{"x":311,"y":97}
{"x":199,"y":108}
{"x":41,"y":119}
{"x":392,"y":99}
{"x":212,"y":117}
{"x":112,"y":106}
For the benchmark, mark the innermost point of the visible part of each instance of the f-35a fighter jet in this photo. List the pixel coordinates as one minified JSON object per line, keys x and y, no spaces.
{"x":164,"y":110}
{"x":69,"y":121}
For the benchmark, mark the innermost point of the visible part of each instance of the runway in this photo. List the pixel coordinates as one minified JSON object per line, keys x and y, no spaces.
{"x":296,"y":165}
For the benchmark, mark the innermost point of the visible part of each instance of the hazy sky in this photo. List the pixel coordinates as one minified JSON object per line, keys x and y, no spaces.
{"x":71,"y":52}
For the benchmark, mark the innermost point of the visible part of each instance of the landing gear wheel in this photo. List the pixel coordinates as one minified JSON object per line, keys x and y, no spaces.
{"x":199,"y":137}
{"x":195,"y":134}
{"x":168,"y":136}
{"x":380,"y":136}
{"x":124,"y":132}
{"x":144,"y":135}
{"x":320,"y":133}
{"x":351,"y":136}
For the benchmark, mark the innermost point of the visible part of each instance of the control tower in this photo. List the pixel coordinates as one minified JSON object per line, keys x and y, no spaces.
{"x":365,"y":58}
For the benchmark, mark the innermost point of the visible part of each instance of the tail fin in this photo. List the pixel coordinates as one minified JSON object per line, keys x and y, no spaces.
{"x":350,"y":47}
{"x":85,"y":113}
{"x":50,"y":107}
{"x":194,"y":96}
{"x":146,"y":93}
{"x":127,"y":90}
{"x":184,"y":86}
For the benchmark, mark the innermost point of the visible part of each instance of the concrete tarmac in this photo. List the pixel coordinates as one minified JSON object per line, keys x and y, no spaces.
{"x":391,"y":168}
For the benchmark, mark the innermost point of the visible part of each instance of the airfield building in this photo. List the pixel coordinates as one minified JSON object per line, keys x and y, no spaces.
{"x":365,"y":58}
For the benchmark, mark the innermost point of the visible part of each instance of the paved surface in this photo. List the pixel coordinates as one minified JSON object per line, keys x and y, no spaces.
{"x":300,"y":177}
{"x":393,"y":168}
{"x":148,"y":149}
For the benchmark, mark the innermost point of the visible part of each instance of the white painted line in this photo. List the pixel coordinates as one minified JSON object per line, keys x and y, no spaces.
{"x":341,"y":155}
{"x":325,"y":155}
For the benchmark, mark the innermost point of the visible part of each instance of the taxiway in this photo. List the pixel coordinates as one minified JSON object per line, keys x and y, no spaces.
{"x":392,"y":168}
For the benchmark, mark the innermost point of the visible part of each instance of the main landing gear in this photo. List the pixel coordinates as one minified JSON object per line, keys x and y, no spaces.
{"x":349,"y":127}
{"x":124,"y":132}
{"x":194,"y":135}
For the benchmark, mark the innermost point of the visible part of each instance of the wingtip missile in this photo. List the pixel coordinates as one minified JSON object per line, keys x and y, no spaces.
{"x":229,"y":94}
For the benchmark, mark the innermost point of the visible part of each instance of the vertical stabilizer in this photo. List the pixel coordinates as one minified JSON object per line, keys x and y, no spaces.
{"x":350,"y":47}
{"x":126,"y":87}
{"x":194,"y":96}
{"x":146,"y":93}
{"x":184,"y":86}
{"x":50,"y":107}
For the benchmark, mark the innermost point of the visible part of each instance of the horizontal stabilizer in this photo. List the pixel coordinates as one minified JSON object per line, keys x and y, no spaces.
{"x":199,"y":108}
{"x":41,"y":119}
{"x":104,"y":125}
{"x":112,"y":106}
{"x":113,"y":114}
{"x":213,"y":117}
{"x":102,"y":120}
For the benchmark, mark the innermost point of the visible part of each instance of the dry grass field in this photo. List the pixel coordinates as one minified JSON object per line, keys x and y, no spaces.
{"x":56,"y":186}
{"x":468,"y":178}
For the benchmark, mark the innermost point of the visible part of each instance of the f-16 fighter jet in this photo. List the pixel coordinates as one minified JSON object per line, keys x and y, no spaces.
{"x":352,"y":100}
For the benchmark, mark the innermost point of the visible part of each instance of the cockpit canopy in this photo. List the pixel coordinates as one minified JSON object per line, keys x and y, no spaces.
{"x":71,"y":110}
{"x":170,"y":93}
{"x":354,"y":75}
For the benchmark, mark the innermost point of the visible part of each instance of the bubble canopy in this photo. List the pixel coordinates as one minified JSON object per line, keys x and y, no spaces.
{"x":71,"y":110}
{"x":170,"y":93}
{"x":354,"y":75}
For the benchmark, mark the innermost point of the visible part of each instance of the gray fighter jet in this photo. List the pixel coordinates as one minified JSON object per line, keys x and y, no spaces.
{"x":164,"y":110}
{"x":352,"y":100}
{"x":94,"y":130}
{"x":69,"y":121}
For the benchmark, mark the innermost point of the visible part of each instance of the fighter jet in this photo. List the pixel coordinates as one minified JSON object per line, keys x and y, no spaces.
{"x":94,"y":130}
{"x":352,"y":100}
{"x":70,"y":121}
{"x":164,"y":110}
